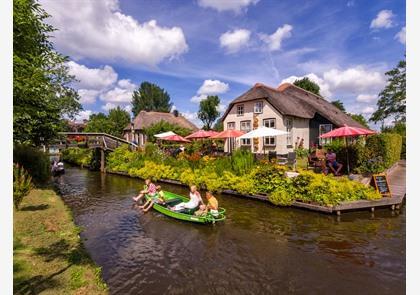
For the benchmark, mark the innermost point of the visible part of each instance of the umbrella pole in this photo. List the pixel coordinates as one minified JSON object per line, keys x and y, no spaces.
{"x":347,"y":153}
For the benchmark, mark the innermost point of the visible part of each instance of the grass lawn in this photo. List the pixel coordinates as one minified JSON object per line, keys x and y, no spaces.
{"x":48,"y":256}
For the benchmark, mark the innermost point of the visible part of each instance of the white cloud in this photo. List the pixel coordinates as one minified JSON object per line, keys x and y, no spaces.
{"x":225,"y":5}
{"x":233,"y":41}
{"x":324,"y":87}
{"x":354,"y":80}
{"x":88,"y":96}
{"x":221,"y":107}
{"x":99,"y":30}
{"x":212,"y":87}
{"x":190,"y":116}
{"x":83,"y":115}
{"x":121,"y":93}
{"x":198,"y":98}
{"x":109,"y":106}
{"x":383,"y":20}
{"x":368,"y":110}
{"x":366,"y":97}
{"x":400,"y":36}
{"x":92,"y":78}
{"x":274,"y":40}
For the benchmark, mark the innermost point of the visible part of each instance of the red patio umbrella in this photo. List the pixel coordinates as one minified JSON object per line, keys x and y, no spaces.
{"x":230,"y":133}
{"x":347,"y":131}
{"x":175,"y":137}
{"x":202,"y":134}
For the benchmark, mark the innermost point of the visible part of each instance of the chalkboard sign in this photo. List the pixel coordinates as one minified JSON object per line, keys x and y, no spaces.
{"x":381,"y":184}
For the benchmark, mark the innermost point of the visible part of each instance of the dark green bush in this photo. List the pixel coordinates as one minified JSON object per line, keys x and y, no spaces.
{"x":78,"y":156}
{"x":242,"y":161}
{"x":380,"y":152}
{"x":35,"y":161}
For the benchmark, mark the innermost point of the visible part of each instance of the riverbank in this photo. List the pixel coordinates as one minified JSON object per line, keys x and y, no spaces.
{"x":48,"y":255}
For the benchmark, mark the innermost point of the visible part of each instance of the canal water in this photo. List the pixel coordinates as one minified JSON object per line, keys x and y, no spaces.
{"x":259,"y":249}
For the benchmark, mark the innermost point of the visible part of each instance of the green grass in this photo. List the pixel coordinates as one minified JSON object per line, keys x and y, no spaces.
{"x":48,"y":256}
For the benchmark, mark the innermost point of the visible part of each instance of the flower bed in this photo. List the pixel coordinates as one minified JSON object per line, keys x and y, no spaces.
{"x":241,"y":174}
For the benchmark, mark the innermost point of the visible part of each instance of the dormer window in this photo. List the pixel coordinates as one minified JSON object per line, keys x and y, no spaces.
{"x":258,"y":107}
{"x":240,"y":110}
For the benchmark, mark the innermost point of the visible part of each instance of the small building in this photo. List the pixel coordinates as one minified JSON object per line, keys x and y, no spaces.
{"x":290,"y":108}
{"x":134,"y":132}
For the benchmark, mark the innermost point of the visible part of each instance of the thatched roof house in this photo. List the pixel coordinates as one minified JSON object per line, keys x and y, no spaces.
{"x":290,"y":108}
{"x":135,"y":130}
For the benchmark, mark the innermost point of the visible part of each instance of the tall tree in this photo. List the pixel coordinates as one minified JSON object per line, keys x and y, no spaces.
{"x":308,"y":85}
{"x":392,"y":99}
{"x":113,"y":123}
{"x":339,"y":104}
{"x":359,"y":118}
{"x":150,"y":97}
{"x":208,"y":112}
{"x":42,"y":96}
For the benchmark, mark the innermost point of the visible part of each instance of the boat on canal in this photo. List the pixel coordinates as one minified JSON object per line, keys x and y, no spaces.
{"x":172,"y":199}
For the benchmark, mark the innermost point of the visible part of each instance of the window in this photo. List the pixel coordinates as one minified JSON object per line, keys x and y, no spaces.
{"x":270,"y":123}
{"x":240,"y":110}
{"x":231,"y":125}
{"x":289,"y":129}
{"x":246,"y":127}
{"x":258,"y":107}
{"x":324,"y":128}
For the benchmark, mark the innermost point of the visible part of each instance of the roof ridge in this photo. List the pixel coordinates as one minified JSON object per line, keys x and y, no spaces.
{"x":286,"y":85}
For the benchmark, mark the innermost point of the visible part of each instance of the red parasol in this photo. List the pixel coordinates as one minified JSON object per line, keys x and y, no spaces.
{"x":175,"y":137}
{"x":347,"y":131}
{"x":202,"y":134}
{"x":229,"y":134}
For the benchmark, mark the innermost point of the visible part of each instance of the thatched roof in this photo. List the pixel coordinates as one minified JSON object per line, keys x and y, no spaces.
{"x":146,"y":119}
{"x":291,"y":100}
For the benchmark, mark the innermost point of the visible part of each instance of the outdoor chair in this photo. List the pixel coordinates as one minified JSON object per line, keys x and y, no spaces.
{"x":289,"y":161}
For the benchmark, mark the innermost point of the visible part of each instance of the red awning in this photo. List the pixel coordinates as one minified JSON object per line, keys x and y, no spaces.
{"x":175,"y":137}
{"x":202,"y":134}
{"x":229,"y":134}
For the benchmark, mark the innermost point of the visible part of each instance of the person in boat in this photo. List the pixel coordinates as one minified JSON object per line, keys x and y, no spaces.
{"x":149,"y":189}
{"x":212,"y":206}
{"x":332,"y":162}
{"x":194,"y":202}
{"x":158,"y":198}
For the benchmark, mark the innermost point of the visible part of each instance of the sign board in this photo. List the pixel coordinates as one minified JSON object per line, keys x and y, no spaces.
{"x":381,"y":184}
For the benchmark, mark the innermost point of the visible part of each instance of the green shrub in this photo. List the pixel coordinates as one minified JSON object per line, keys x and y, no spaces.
{"x":35,"y":161}
{"x":302,"y":153}
{"x":242,"y":161}
{"x":22,"y":184}
{"x":79,"y":156}
{"x":380,"y":152}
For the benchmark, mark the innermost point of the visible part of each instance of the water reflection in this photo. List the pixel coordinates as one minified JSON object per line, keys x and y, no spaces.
{"x":258,"y":249}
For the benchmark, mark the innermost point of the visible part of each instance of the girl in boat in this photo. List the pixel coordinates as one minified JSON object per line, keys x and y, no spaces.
{"x":158,"y":198}
{"x":150,"y":189}
{"x":194,"y":202}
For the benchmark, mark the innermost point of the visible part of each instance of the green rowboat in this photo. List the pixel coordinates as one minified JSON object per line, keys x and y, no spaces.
{"x":173,"y":199}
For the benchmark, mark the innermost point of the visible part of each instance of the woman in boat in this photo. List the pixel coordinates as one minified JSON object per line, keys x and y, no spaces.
{"x":195,"y":200}
{"x":150,"y":189}
{"x":158,"y":198}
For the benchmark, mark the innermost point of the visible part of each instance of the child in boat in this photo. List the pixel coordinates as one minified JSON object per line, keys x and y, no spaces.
{"x":195,"y":200}
{"x":158,"y":198}
{"x":150,"y":189}
{"x":212,"y":205}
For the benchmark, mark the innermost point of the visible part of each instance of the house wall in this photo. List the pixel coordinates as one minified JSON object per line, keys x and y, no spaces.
{"x":314,"y":128}
{"x":138,"y":136}
{"x":300,"y":127}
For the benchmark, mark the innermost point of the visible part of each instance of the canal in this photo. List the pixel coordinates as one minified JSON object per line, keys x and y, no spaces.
{"x":259,"y":249}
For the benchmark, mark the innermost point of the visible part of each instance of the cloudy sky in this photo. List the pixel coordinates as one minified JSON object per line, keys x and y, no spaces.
{"x":202,"y":47}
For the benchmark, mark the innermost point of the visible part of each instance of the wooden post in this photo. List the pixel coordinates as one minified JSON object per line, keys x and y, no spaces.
{"x":102,"y":160}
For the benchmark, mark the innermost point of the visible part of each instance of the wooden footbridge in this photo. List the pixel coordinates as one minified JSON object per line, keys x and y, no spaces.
{"x":95,"y":140}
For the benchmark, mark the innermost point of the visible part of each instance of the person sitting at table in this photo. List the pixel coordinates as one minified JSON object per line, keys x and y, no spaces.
{"x":332,"y":162}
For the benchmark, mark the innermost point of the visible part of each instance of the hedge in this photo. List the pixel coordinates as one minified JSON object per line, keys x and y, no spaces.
{"x":35,"y":161}
{"x":380,"y":152}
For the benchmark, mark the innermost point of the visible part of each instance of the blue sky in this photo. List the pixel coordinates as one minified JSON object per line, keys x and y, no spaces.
{"x":202,"y":47}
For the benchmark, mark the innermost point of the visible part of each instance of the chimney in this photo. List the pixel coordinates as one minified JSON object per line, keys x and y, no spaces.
{"x":175,"y":112}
